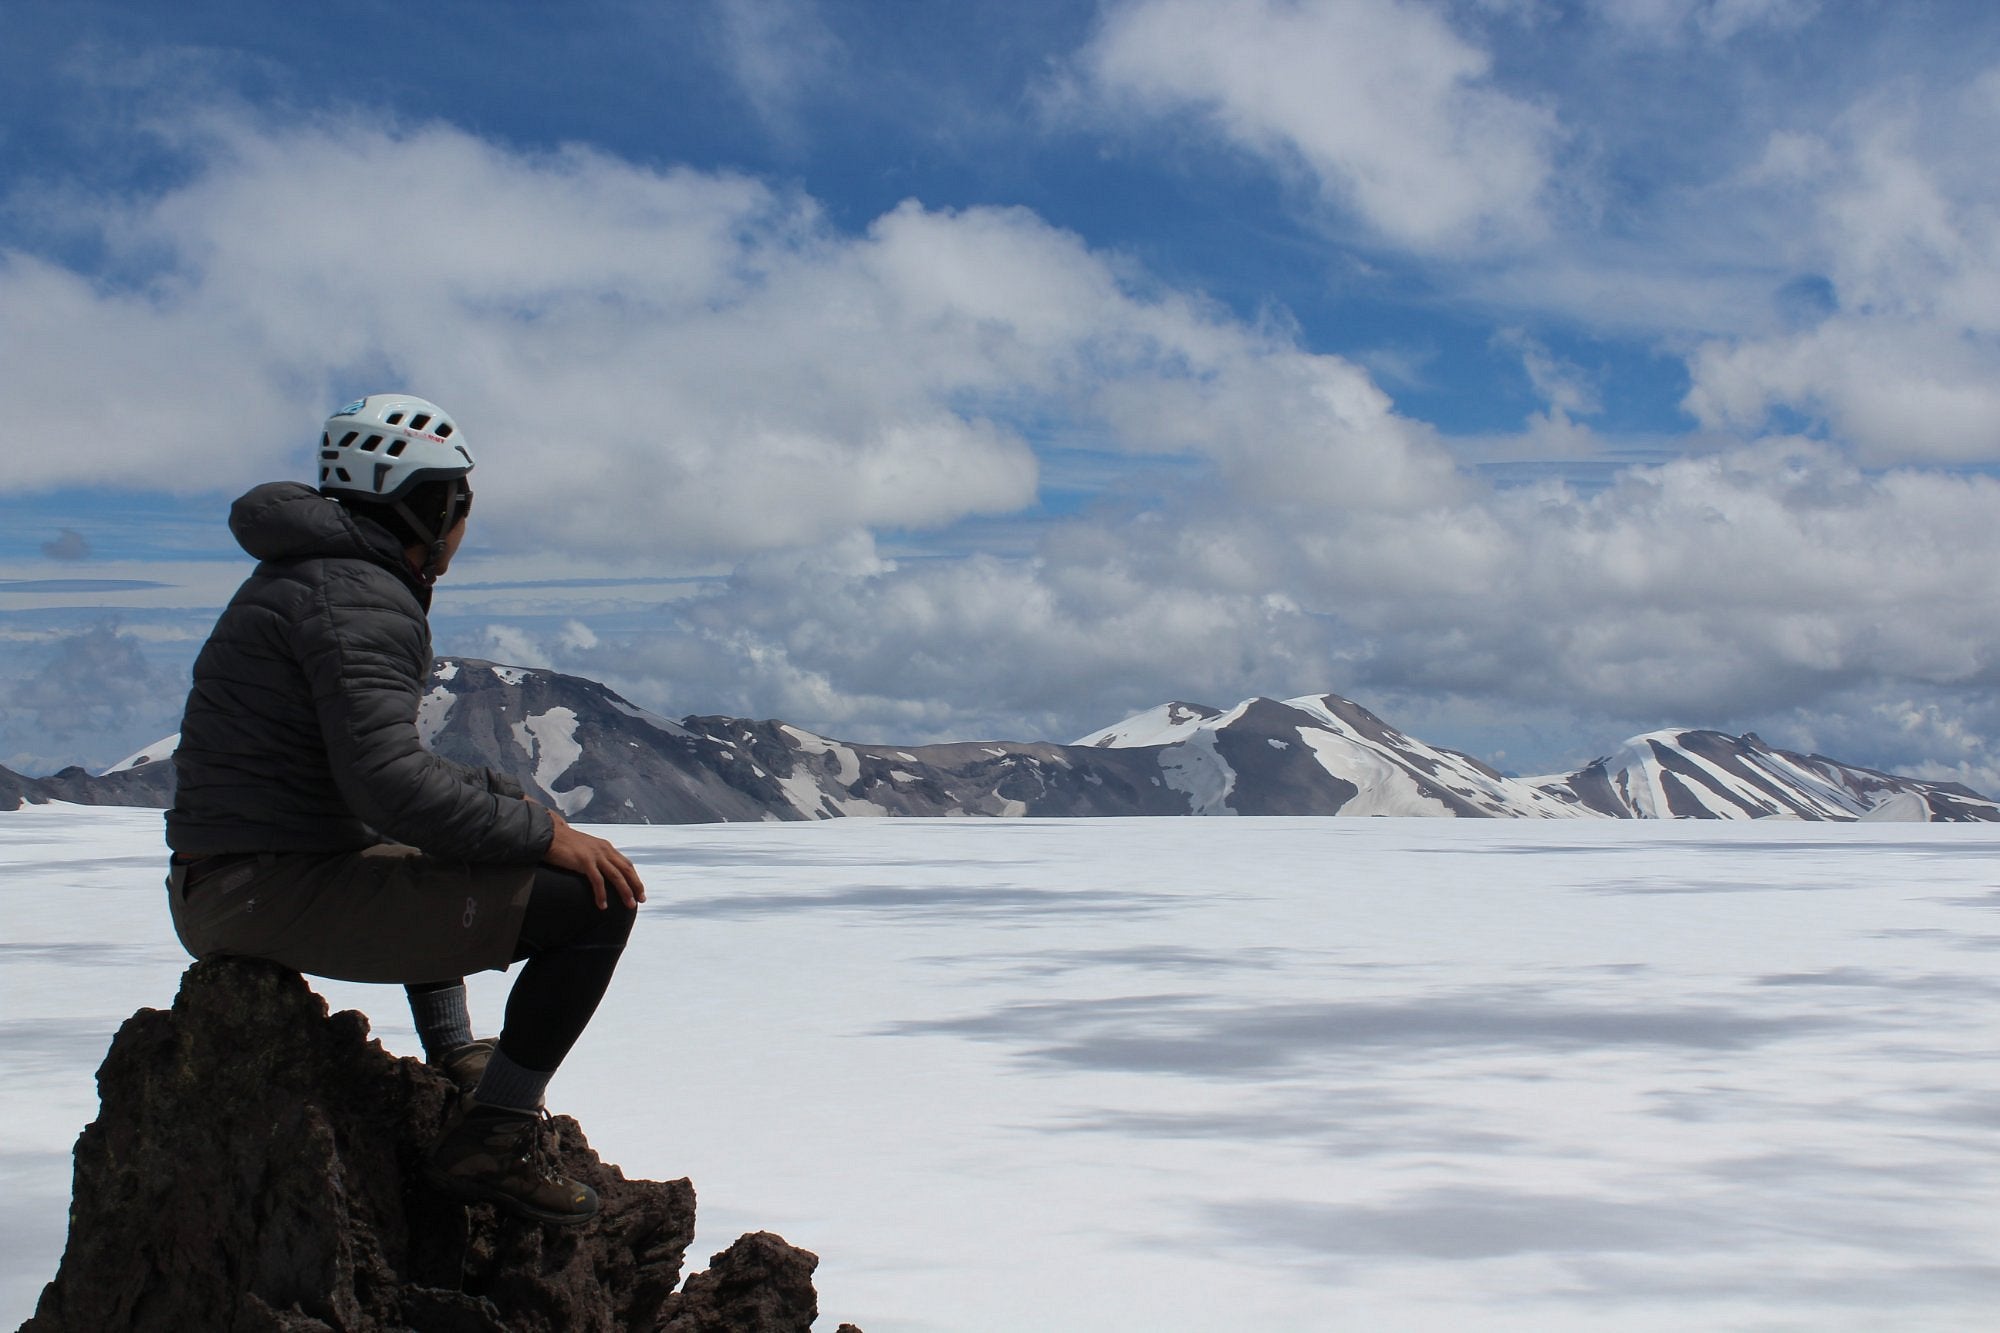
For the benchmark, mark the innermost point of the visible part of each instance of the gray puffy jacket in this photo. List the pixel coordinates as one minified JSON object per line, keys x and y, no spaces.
{"x":301,"y":730}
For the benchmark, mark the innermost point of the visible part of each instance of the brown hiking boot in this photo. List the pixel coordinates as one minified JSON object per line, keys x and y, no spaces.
{"x":464,"y":1064}
{"x":497,"y":1155}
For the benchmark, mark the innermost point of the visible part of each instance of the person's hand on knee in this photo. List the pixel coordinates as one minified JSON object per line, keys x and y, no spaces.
{"x":597,"y":861}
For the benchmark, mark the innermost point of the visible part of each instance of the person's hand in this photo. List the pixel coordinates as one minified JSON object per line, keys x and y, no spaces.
{"x":597,"y":861}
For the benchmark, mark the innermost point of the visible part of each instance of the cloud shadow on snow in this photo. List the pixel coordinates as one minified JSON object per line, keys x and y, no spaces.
{"x":1847,"y":1190}
{"x":83,"y":953}
{"x":44,"y":1045}
{"x":1634,"y":1249}
{"x":1192,"y":1035}
{"x":75,"y":869}
{"x":1637,"y":887}
{"x":1730,"y":848}
{"x":790,"y":856}
{"x":1170,"y":958}
{"x":1858,"y":978}
{"x":945,"y":902}
{"x":1910,"y":1290}
{"x":1456,"y":1224}
{"x":1348,"y":1123}
{"x":1950,"y":938}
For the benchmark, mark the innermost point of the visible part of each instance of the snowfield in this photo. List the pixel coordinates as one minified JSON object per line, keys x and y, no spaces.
{"x":1273,"y":1074}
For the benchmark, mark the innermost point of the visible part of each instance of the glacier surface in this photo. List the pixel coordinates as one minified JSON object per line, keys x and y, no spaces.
{"x":1287,"y":1073}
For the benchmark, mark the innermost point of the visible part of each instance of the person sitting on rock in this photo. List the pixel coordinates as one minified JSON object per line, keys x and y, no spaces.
{"x":312,"y":827}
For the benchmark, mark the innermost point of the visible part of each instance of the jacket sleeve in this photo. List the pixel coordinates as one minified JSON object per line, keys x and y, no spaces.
{"x":365,"y":656}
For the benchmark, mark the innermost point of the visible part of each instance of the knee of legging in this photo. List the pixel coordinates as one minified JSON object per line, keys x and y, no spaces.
{"x":616,"y":927}
{"x":588,"y":927}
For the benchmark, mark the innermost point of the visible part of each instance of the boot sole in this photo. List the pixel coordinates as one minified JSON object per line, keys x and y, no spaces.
{"x":466,"y":1191}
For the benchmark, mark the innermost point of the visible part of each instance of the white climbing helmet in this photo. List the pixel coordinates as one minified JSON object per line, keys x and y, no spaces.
{"x":380,"y":446}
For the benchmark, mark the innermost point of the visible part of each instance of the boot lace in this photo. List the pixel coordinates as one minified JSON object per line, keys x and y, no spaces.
{"x":540,"y":1146}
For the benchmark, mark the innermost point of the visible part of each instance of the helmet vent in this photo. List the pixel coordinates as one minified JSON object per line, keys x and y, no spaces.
{"x":394,"y":418}
{"x":371,"y":444}
{"x":341,"y":472}
{"x":349,"y":438}
{"x":419,"y":421}
{"x":396,"y":448}
{"x":444,"y":429}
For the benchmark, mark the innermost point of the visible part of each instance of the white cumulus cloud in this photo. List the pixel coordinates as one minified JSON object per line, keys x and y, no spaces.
{"x":1902,"y":217}
{"x":647,"y":362}
{"x":1386,"y":109}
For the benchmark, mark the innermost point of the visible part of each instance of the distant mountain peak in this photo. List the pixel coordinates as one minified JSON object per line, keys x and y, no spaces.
{"x":1156,"y":726}
{"x":1691,"y":773}
{"x":1319,"y":754}
{"x":581,"y":748}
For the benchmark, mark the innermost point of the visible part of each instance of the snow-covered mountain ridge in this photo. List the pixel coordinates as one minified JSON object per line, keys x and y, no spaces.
{"x":1265,"y":757}
{"x":1712,"y":775}
{"x":584,"y":750}
{"x":1669,"y":774}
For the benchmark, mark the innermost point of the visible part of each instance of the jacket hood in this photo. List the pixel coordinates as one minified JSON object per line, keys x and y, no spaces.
{"x":287,"y":520}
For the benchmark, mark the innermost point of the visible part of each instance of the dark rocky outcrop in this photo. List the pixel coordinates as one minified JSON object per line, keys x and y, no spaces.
{"x":760,"y":1282}
{"x":254,"y":1168}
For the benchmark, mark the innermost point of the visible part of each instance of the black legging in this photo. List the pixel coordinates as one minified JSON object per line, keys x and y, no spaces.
{"x":571,"y":948}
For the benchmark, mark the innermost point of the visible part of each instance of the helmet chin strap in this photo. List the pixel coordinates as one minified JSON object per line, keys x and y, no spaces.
{"x":433,"y":541}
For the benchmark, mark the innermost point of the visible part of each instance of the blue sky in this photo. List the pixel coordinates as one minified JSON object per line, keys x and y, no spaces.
{"x":1536,"y":374}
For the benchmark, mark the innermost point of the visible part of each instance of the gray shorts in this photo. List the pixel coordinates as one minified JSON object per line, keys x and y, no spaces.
{"x":387,"y":913}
